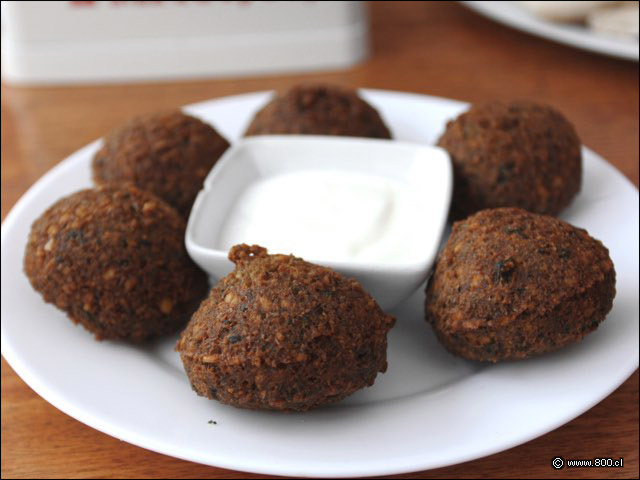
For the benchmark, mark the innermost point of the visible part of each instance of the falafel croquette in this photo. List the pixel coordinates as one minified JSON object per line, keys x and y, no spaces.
{"x":168,"y":154}
{"x":319,"y":110}
{"x":279,"y":333}
{"x":519,"y":154}
{"x":113,"y":258}
{"x":510,"y":284}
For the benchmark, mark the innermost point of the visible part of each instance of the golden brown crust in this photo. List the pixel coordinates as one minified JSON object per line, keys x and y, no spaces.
{"x":510,"y":284}
{"x":319,"y":110}
{"x":282,"y":334}
{"x":518,"y":154}
{"x":113,"y":258}
{"x":168,"y":154}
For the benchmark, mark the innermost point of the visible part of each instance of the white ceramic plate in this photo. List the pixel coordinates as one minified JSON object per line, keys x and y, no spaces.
{"x":515,"y":16}
{"x":429,"y":410}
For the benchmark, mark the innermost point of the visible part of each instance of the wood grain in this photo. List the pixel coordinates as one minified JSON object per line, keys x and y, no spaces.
{"x":437,"y":48}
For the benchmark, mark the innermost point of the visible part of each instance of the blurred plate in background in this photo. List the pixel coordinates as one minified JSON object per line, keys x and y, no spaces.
{"x":515,"y":16}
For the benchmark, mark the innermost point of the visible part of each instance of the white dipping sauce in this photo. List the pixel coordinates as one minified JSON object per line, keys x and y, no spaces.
{"x":324,"y":215}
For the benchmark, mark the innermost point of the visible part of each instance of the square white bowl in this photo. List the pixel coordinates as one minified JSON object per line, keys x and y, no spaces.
{"x":427,"y":169}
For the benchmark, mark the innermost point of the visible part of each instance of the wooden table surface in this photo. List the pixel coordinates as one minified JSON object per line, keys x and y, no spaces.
{"x":434,"y":48}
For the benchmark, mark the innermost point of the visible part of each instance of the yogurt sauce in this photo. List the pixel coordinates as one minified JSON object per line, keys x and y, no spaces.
{"x":326,"y":215}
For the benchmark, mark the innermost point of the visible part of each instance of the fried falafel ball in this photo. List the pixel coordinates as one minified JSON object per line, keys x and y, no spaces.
{"x":279,"y":333}
{"x":168,"y":154}
{"x":519,"y":154}
{"x":510,"y":284}
{"x":113,"y":258}
{"x":319,"y":110}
